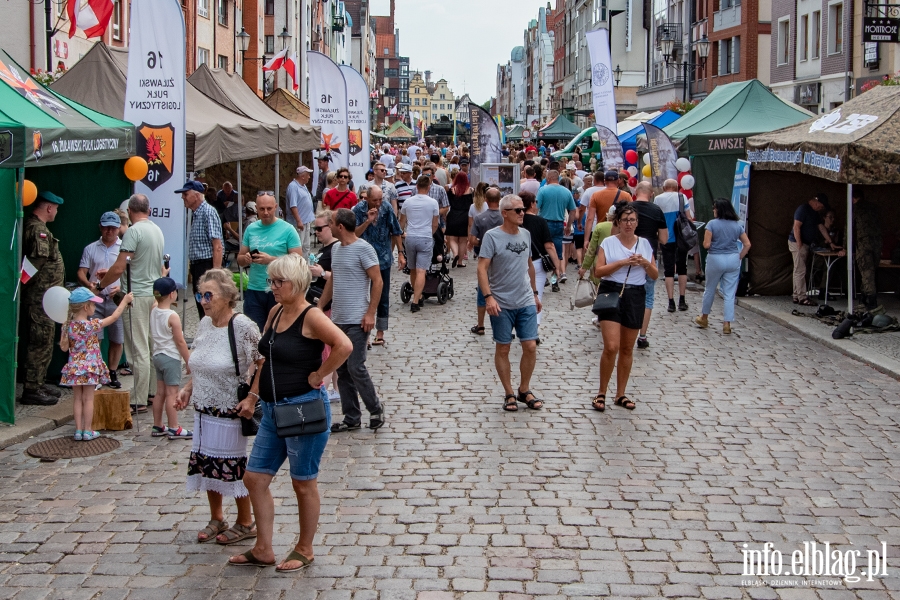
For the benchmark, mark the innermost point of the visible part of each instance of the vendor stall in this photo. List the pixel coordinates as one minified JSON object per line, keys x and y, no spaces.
{"x":852,"y":146}
{"x":61,"y":147}
{"x":629,"y":139}
{"x":559,"y":128}
{"x":514,"y":133}
{"x":713,"y":135}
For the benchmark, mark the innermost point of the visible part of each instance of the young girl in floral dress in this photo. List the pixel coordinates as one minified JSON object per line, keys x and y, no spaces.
{"x":85,"y":369}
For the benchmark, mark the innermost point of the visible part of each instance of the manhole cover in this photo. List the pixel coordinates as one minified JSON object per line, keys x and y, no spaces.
{"x":67,"y":447}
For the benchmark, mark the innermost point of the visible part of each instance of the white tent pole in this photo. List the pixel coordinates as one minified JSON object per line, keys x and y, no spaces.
{"x":240,"y":229}
{"x":277,"y":190}
{"x":850,"y":270}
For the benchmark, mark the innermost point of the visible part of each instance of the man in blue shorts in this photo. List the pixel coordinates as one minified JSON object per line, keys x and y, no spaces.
{"x":506,"y":279}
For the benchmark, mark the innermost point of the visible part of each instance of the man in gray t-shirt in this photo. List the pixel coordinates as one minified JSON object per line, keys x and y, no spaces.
{"x":354,"y":266}
{"x":506,"y":278}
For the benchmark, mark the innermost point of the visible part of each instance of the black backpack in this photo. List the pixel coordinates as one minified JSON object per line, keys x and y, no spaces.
{"x":685,"y":230}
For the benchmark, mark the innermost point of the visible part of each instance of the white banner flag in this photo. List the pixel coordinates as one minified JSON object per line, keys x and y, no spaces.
{"x":328,"y":111}
{"x":154,"y":102}
{"x":602,"y":79}
{"x":357,"y":122}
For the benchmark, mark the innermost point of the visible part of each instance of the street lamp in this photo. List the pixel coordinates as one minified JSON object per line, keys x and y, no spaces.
{"x":617,"y":74}
{"x":243,"y":39}
{"x":285,"y":38}
{"x":702,"y":45}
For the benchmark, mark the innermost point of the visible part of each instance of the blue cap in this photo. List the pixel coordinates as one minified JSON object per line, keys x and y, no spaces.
{"x":165,"y":286}
{"x":195,"y":186}
{"x":50,"y":197}
{"x":83,"y":294}
{"x":110,"y":219}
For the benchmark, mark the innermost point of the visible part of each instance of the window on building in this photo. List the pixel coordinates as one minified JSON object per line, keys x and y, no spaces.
{"x":270,"y":7}
{"x":442,"y":97}
{"x":417,"y":91}
{"x":836,"y":28}
{"x":202,"y":56}
{"x":783,"y":43}
{"x":223,"y":62}
{"x":434,"y":107}
{"x":117,"y":20}
{"x":425,"y":116}
{"x":803,"y":38}
{"x":415,"y":101}
{"x":404,"y":83}
{"x":390,"y":72}
{"x":730,"y":55}
{"x":222,"y":10}
{"x":404,"y":97}
{"x":816,"y":34}
{"x":203,"y":8}
{"x":404,"y":70}
{"x":387,"y":51}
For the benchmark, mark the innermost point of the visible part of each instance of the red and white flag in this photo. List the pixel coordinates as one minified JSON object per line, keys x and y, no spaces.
{"x":393,"y":111}
{"x":292,"y":66}
{"x":277,"y":61}
{"x":91,"y":16}
{"x":28,"y":270}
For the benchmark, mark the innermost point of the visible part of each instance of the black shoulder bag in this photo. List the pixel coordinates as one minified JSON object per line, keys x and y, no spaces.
{"x":685,"y":230}
{"x":546,"y":261}
{"x":292,"y":420}
{"x":249,"y":427}
{"x":606,"y":304}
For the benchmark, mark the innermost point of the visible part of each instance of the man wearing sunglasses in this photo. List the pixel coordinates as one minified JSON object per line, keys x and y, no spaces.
{"x":507,"y":280}
{"x":377,"y":224}
{"x":205,"y":240}
{"x":264,"y":241}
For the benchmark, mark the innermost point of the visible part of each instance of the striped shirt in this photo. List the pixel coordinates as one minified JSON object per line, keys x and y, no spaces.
{"x":205,"y":227}
{"x":350,"y":292}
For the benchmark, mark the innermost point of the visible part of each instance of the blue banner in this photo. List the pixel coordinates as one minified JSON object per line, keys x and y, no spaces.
{"x":741,"y":190}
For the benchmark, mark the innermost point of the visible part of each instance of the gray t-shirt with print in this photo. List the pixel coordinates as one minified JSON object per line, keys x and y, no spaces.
{"x":508,"y":273}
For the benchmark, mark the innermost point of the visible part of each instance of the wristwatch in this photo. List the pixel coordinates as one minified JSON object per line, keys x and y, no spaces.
{"x":535,"y":292}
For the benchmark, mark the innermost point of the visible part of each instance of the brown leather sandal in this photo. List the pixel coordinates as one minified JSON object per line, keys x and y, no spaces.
{"x":509,"y":403}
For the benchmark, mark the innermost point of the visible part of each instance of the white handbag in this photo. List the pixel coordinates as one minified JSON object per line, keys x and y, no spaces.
{"x":584,"y":295}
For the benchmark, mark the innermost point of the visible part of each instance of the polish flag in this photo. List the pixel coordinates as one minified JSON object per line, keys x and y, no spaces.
{"x":91,"y":16}
{"x":277,"y":61}
{"x":393,"y":111}
{"x":28,"y":270}
{"x":292,"y":66}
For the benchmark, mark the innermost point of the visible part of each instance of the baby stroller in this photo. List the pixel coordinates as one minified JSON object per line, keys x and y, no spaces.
{"x":438,"y":283}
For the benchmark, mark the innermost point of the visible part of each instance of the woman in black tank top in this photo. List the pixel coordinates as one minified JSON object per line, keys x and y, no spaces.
{"x":292,"y":345}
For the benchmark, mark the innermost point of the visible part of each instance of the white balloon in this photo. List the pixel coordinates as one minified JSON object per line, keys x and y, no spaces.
{"x":646,"y":159}
{"x":56,"y":303}
{"x":683,"y":165}
{"x":124,"y":205}
{"x":687,"y":182}
{"x":632,"y":171}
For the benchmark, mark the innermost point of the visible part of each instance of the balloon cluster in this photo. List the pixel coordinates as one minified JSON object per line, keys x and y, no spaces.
{"x":686,"y":181}
{"x":632,"y":158}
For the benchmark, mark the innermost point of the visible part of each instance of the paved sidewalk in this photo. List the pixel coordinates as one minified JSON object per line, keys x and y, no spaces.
{"x":762,"y":436}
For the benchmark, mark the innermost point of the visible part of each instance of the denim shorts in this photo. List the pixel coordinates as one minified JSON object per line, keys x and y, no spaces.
{"x":480,"y":300}
{"x":650,"y":290}
{"x":523,"y":320}
{"x":303,"y":452}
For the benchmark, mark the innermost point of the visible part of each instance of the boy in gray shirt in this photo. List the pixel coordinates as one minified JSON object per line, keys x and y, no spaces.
{"x":506,"y":278}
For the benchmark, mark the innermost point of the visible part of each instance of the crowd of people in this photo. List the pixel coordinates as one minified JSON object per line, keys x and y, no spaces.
{"x":308,"y":316}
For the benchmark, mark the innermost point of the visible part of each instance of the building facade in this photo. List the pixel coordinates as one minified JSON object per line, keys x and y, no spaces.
{"x":443,"y":103}
{"x":812,"y":52}
{"x":419,"y":98}
{"x":362,"y":52}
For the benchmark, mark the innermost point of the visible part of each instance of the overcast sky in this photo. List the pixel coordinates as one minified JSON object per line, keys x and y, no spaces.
{"x":462,"y":41}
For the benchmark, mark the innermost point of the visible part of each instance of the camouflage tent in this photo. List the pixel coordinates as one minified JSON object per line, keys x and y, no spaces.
{"x":856,"y":143}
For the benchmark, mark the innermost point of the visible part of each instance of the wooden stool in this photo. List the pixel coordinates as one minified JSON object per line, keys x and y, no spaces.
{"x":112,"y":410}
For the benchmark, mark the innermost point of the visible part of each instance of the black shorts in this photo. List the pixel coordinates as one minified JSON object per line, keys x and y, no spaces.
{"x":631,"y":305}
{"x":674,"y":260}
{"x":578,"y":240}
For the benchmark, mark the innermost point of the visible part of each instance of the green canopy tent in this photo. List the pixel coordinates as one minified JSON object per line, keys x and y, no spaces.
{"x":713,"y":135}
{"x":64,"y":148}
{"x":399,"y":132}
{"x":560,"y":128}
{"x":514,"y":133}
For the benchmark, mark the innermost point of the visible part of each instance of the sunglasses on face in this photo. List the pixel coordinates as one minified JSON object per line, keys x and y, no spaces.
{"x":319,"y":228}
{"x":343,"y":177}
{"x":519,"y":210}
{"x":275,"y":284}
{"x":205,"y":297}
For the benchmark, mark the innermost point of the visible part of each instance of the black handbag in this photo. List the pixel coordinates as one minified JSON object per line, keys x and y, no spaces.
{"x":249,"y":426}
{"x":546,"y":261}
{"x":606,"y":304}
{"x":685,"y":230}
{"x":292,"y":420}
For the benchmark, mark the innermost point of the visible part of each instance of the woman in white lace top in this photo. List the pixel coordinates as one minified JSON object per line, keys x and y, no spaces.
{"x":219,"y":453}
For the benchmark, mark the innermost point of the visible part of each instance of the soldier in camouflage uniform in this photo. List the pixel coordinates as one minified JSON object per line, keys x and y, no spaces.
{"x":867,"y":235}
{"x":42,"y":250}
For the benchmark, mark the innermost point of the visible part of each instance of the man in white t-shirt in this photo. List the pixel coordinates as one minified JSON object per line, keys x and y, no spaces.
{"x":419,"y":219}
{"x":530,"y":184}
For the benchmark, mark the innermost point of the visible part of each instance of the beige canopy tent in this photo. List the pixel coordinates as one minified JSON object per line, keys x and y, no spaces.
{"x":229,"y":90}
{"x":288,"y":106}
{"x":215,"y":134}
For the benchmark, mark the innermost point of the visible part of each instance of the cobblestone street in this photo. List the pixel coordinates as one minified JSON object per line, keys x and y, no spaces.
{"x":762,"y":436}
